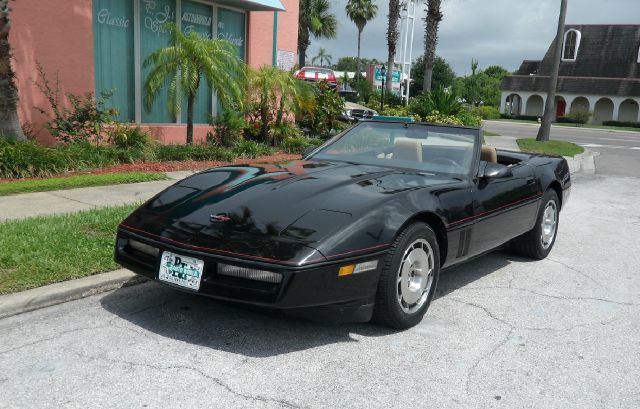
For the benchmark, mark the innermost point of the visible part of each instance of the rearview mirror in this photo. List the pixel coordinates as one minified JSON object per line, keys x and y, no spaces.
{"x":308,"y":151}
{"x":492,"y":170}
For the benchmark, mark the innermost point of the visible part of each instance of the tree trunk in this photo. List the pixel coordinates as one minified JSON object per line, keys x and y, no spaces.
{"x":303,"y":44}
{"x":9,"y":123}
{"x":392,"y":40}
{"x":434,"y":17}
{"x":549,"y":107}
{"x":358,"y":68}
{"x":190,"y":101}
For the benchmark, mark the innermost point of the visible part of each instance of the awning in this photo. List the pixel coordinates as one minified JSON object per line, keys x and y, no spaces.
{"x":254,"y":5}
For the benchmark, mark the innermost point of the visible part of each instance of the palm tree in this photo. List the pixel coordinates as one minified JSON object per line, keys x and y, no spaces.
{"x":322,"y":56}
{"x":9,"y":124}
{"x":184,"y":63}
{"x":361,"y":12}
{"x":392,"y":39}
{"x":434,"y":17}
{"x":273,"y":93}
{"x":315,"y":19}
{"x":545,"y":126}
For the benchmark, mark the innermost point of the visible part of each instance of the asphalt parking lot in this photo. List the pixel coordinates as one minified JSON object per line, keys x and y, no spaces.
{"x":503,"y":332}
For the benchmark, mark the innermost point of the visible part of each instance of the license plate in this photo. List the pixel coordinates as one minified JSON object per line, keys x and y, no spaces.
{"x":181,"y":270}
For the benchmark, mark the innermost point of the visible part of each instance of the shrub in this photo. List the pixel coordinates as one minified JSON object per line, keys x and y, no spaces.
{"x":440,"y":100}
{"x":229,"y":127}
{"x":437,"y":118}
{"x":469,"y":119}
{"x":486,"y":112}
{"x":85,"y":121}
{"x":249,"y":149}
{"x":521,"y":117}
{"x":194,"y":152}
{"x":22,"y":159}
{"x":400,"y":111}
{"x":320,"y":118}
{"x":622,"y":124}
{"x":299,"y":144}
{"x":579,"y":116}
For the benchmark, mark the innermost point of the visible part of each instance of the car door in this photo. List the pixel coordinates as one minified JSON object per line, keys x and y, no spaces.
{"x":503,"y":208}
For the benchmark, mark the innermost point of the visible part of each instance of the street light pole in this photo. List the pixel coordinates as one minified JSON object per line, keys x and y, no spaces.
{"x":383,"y":71}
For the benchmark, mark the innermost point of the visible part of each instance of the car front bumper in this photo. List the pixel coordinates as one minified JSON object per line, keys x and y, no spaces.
{"x":315,"y":291}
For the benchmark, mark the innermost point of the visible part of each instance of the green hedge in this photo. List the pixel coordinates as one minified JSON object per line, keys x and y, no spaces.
{"x":22,"y":159}
{"x":622,"y":124}
{"x":521,"y":117}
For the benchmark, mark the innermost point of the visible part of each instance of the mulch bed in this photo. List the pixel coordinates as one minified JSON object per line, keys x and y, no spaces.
{"x":170,"y":166}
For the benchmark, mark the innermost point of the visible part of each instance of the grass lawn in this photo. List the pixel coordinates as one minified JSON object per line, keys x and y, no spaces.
{"x":69,"y":182}
{"x":487,"y":133}
{"x":45,"y":250}
{"x":560,"y":148}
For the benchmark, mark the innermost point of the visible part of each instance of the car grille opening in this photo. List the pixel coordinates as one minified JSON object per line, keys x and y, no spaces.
{"x":249,"y":273}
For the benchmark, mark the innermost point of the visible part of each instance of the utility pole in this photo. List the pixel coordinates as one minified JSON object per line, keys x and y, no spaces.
{"x":545,"y":127}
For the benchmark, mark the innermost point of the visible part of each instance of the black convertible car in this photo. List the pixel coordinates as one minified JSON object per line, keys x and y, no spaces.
{"x":358,"y":229}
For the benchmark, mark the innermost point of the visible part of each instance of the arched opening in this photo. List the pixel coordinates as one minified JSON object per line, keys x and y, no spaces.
{"x":571,"y":45}
{"x":579,"y":104}
{"x":628,"y":111}
{"x":535,"y":106}
{"x":603,"y":111}
{"x":561,"y":107}
{"x":514,"y":105}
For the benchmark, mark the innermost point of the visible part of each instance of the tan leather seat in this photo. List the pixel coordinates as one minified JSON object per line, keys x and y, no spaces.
{"x":407,"y":149}
{"x":488,"y":154}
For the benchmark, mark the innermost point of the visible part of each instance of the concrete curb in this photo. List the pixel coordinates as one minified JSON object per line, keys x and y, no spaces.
{"x":582,"y":163}
{"x":58,"y":293}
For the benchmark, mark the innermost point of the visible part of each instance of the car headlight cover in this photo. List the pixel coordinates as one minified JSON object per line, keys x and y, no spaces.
{"x":249,"y":273}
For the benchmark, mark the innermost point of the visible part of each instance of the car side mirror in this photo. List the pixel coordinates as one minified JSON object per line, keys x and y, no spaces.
{"x":308,"y":150}
{"x":490,"y":170}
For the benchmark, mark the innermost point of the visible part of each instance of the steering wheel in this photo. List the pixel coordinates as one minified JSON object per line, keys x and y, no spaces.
{"x":444,"y":161}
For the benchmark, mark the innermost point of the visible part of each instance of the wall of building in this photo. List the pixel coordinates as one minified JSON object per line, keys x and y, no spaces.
{"x":58,"y":35}
{"x":602,"y":107}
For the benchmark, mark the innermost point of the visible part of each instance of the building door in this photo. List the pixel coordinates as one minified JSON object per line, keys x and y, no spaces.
{"x":561,"y":107}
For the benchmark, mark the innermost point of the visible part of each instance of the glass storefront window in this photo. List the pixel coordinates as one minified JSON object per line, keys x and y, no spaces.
{"x":113,"y":54}
{"x":154,"y":14}
{"x":117,"y":27}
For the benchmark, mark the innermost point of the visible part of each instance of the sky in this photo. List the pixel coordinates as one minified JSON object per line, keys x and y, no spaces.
{"x":502,"y":32}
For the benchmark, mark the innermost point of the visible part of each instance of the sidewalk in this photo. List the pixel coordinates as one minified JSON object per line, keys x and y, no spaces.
{"x":86,"y":198}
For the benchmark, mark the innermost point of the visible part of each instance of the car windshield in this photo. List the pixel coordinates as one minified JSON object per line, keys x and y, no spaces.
{"x":423,"y":147}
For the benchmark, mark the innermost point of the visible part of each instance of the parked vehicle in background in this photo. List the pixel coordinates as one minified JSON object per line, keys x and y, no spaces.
{"x":355,"y":112}
{"x":317,"y":74}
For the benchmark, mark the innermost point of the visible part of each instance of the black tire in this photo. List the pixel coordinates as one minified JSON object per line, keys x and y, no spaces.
{"x":531,"y":244}
{"x":388,"y":310}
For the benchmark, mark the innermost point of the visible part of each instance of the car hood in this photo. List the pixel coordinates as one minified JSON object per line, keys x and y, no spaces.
{"x":275,"y":212}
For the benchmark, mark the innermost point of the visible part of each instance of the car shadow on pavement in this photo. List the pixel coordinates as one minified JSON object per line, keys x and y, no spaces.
{"x":253,"y":331}
{"x":466,"y":273}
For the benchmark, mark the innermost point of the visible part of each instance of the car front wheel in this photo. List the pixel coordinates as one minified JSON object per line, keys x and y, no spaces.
{"x":408,"y":278}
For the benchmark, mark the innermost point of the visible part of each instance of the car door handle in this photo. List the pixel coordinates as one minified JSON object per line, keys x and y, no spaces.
{"x":530,"y":180}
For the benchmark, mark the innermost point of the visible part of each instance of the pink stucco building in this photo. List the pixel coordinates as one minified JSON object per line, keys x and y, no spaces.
{"x":100,"y":45}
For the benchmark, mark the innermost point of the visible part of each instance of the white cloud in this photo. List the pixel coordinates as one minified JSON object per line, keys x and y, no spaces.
{"x":503,"y":32}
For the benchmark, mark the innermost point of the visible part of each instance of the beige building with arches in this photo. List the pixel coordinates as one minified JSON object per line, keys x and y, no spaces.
{"x":599,"y":72}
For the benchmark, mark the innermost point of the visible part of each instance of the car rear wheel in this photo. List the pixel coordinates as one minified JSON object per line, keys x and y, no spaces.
{"x":538,"y":242}
{"x":408,"y":278}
